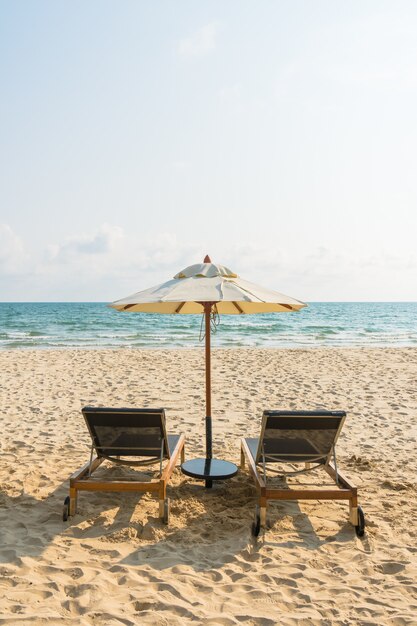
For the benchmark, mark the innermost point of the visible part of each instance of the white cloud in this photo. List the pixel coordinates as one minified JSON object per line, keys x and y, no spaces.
{"x":248,"y":258}
{"x":13,"y":257}
{"x":200,"y":43}
{"x":110,"y":248}
{"x":109,"y":263}
{"x":114,"y":263}
{"x":103,"y":241}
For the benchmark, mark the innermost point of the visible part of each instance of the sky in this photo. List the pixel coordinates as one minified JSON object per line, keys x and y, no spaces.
{"x":277,"y":136}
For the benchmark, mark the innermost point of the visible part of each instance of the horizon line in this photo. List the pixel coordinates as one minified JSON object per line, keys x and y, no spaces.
{"x":109,"y":302}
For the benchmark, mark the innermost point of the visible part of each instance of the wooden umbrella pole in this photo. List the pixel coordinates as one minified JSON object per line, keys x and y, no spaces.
{"x":209,"y":437}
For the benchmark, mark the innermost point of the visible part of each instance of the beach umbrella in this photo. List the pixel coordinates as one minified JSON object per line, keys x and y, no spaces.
{"x":213,"y":290}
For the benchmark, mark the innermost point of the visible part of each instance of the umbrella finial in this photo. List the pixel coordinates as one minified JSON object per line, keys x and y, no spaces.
{"x":207,"y":259}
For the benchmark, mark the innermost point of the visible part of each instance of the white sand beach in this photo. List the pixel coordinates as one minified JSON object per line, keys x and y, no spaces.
{"x":114,"y":562}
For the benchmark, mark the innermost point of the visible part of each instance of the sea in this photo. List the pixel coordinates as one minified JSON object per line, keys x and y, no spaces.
{"x":52,"y":325}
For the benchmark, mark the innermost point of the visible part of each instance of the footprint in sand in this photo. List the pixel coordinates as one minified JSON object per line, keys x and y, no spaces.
{"x":390,"y":567}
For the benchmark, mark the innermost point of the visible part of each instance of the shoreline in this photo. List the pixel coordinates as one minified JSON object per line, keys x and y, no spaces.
{"x":201,"y":347}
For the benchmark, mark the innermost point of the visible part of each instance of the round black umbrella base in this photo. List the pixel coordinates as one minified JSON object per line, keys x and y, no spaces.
{"x":209,"y":470}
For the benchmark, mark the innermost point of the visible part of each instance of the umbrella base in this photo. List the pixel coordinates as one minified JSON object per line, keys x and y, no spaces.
{"x":209,"y":470}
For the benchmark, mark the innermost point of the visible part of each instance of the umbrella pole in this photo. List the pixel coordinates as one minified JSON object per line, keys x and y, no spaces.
{"x":209,"y":437}
{"x":208,"y":469}
{"x":209,"y":452}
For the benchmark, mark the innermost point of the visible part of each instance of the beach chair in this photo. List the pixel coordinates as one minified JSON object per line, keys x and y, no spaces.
{"x":306,"y":441}
{"x":134,"y":437}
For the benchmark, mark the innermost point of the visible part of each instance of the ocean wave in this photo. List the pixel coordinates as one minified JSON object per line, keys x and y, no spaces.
{"x":66,"y":325}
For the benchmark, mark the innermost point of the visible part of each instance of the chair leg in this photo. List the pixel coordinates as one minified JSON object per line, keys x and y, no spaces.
{"x":353,"y":511}
{"x":161,"y":508}
{"x":73,"y":501}
{"x":242,"y":459}
{"x":182,"y":454}
{"x":162,"y":495}
{"x":263,"y":515}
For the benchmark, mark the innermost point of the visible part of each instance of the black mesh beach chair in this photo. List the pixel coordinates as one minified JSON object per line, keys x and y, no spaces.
{"x":296,"y":442}
{"x":127,"y":437}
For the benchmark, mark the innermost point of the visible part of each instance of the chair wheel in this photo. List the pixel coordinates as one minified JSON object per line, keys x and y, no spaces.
{"x":360,"y":528}
{"x":166,"y":511}
{"x":65,"y":511}
{"x":256,"y":524}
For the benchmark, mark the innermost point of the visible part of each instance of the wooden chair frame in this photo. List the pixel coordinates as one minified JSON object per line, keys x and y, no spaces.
{"x":345,"y":490}
{"x":82,"y":480}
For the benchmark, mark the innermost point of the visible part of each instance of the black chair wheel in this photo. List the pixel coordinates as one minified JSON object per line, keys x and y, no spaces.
{"x":256,"y":524}
{"x":360,"y":528}
{"x":65,"y":511}
{"x":166,"y":511}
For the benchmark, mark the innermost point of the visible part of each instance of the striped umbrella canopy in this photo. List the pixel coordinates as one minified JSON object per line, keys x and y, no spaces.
{"x":207,"y":283}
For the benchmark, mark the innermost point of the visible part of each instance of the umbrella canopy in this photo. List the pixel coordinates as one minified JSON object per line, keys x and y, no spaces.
{"x":207,"y":282}
{"x":208,"y":288}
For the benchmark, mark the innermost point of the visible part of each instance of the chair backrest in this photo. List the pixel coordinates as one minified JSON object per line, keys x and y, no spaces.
{"x":294,"y":436}
{"x":127,"y":432}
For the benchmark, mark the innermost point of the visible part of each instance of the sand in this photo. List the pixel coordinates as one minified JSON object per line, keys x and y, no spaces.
{"x":116,"y":563}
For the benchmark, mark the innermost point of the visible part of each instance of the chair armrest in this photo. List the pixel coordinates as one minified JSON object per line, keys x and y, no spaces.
{"x":260,"y":483}
{"x":169,"y":468}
